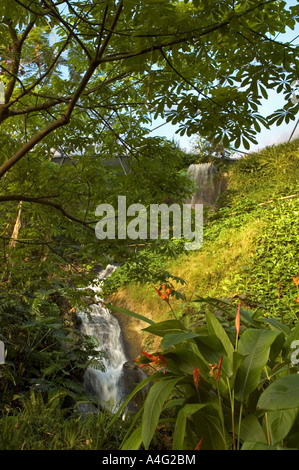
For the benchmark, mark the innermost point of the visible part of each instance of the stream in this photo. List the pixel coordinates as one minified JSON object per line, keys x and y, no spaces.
{"x":110,"y":385}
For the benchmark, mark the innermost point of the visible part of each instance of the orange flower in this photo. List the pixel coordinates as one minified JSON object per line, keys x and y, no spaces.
{"x":238,"y":320}
{"x":296,"y":280}
{"x":164,"y":292}
{"x":297,"y":299}
{"x":196,"y":377}
{"x":213,"y":369}
{"x":216,"y":369}
{"x":155,"y":359}
{"x":219,"y":369}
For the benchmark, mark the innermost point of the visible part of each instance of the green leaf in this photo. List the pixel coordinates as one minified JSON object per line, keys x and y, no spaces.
{"x":281,"y":395}
{"x":280,"y":423}
{"x":183,"y":361}
{"x":176,"y":338}
{"x":215,"y":327}
{"x":165,"y":327}
{"x":260,"y":446}
{"x":256,"y":344}
{"x":207,"y":425}
{"x":237,"y":361}
{"x":251,"y":430}
{"x":175,"y":402}
{"x":276,"y":325}
{"x":276,"y":347}
{"x":180,"y":424}
{"x":153,"y":406}
{"x":128,"y":312}
{"x":131,"y":395}
{"x":134,"y":441}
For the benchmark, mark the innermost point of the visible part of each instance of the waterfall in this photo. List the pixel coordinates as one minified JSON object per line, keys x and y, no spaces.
{"x":209,"y":184}
{"x":99,"y":323}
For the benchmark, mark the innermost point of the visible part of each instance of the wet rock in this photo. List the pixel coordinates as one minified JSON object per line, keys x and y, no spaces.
{"x":87,"y":408}
{"x":131,"y":376}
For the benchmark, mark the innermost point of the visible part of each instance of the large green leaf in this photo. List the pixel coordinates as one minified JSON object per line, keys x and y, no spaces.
{"x":215,"y":327}
{"x":276,"y":325}
{"x":260,"y":446}
{"x":134,"y":441}
{"x":184,"y":359}
{"x":237,"y":361}
{"x":153,"y":405}
{"x":176,"y":338}
{"x":128,"y":312}
{"x":207,"y":425}
{"x":256,"y":344}
{"x":165,"y":327}
{"x":280,"y":423}
{"x":180,"y":424}
{"x":276,"y":348}
{"x":251,"y":430}
{"x":211,"y":349}
{"x":281,"y":395}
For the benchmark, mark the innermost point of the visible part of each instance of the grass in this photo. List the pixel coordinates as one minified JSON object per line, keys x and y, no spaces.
{"x":224,"y":266}
{"x":212,"y":271}
{"x":42,"y":424}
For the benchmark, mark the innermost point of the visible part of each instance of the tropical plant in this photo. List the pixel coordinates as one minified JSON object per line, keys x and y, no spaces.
{"x":229,"y":381}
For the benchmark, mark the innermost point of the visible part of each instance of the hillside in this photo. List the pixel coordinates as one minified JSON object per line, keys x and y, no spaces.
{"x":249,"y":254}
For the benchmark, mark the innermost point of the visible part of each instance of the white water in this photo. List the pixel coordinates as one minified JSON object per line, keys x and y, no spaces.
{"x":209,"y":185}
{"x":100,"y":324}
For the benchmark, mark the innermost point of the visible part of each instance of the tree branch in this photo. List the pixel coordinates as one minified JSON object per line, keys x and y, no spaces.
{"x":31,"y":144}
{"x":70,"y":29}
{"x":17,"y":46}
{"x":46,"y":202}
{"x":112,"y":27}
{"x":44,"y":75}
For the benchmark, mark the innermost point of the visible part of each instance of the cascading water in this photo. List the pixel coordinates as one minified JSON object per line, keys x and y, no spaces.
{"x":209,"y":185}
{"x":99,"y":323}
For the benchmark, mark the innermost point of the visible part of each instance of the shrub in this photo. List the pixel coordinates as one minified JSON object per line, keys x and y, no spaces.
{"x":227,"y":382}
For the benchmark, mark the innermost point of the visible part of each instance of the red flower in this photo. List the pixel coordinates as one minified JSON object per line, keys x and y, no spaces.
{"x":198,"y":447}
{"x":238,"y":320}
{"x":164,"y":292}
{"x":196,"y":377}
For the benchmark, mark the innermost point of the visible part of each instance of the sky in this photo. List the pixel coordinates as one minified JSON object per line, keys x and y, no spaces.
{"x":266,"y":137}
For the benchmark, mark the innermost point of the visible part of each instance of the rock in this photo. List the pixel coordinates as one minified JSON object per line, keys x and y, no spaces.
{"x":131,"y":376}
{"x":87,"y":408}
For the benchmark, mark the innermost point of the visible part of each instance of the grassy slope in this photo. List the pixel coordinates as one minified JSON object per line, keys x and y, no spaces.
{"x":229,"y":265}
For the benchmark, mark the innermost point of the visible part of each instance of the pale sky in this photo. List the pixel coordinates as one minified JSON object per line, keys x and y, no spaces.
{"x":266,"y":137}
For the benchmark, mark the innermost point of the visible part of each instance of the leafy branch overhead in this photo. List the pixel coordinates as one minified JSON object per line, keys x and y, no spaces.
{"x":204,"y":65}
